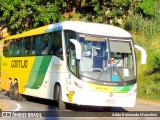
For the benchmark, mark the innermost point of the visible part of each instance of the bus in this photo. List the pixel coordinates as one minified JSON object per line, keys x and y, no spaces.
{"x":71,"y":62}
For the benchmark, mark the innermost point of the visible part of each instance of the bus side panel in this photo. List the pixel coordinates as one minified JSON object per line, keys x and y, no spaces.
{"x":4,"y":75}
{"x":56,"y":72}
{"x":17,"y":69}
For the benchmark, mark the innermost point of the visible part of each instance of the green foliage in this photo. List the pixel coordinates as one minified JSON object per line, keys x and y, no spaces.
{"x":149,"y":27}
{"x":103,"y":11}
{"x":147,"y":7}
{"x":148,"y":79}
{"x":150,"y":30}
{"x":154,"y":59}
{"x":28,"y":14}
{"x":148,"y":83}
{"x":121,"y":3}
{"x":146,"y":32}
{"x":148,"y":88}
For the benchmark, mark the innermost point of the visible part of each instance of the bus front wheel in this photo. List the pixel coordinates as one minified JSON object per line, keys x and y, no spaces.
{"x":18,"y":96}
{"x":61,"y":104}
{"x":107,"y":109}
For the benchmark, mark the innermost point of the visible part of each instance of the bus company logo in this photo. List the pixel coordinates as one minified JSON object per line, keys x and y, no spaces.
{"x":56,"y":66}
{"x":70,"y":95}
{"x":19,"y":63}
{"x":110,"y":94}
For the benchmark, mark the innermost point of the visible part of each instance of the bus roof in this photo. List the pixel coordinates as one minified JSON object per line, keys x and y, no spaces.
{"x":78,"y":26}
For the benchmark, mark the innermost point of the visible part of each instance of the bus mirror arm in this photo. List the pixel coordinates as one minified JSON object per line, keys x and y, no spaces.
{"x":143,"y":54}
{"x":77,"y":47}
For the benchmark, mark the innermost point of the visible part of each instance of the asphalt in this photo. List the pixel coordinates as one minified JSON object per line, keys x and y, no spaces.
{"x":5,"y":103}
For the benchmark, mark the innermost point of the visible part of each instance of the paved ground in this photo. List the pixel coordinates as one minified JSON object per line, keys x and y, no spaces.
{"x":5,"y":104}
{"x":46,"y":105}
{"x":8,"y":105}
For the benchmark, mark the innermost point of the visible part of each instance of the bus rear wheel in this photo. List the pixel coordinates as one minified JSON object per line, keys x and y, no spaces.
{"x":11,"y":92}
{"x":61,"y":104}
{"x":18,"y":96}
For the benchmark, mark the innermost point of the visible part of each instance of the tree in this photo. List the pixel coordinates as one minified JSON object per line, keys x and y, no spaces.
{"x":106,"y":11}
{"x":22,"y":15}
{"x":146,"y":7}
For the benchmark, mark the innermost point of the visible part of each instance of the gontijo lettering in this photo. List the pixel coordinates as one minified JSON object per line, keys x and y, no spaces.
{"x":19,"y":63}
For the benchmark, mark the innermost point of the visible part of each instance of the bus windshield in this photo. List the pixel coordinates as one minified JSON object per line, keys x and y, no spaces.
{"x":107,"y":59}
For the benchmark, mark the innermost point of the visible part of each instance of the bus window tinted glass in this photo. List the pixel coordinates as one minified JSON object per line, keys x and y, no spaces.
{"x":6,"y":48}
{"x":38,"y":45}
{"x":56,"y":44}
{"x":27,"y":46}
{"x":44,"y":44}
{"x":69,"y":35}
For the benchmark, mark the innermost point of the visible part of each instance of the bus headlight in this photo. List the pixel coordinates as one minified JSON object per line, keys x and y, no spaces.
{"x":133,"y":91}
{"x":79,"y":83}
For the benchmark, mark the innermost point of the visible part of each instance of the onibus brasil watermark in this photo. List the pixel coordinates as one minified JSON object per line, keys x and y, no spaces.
{"x":137,"y":114}
{"x":78,"y":114}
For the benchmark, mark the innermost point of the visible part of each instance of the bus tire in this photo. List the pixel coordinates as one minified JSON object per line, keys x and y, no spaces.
{"x":106,"y":109}
{"x":11,"y":92}
{"x":61,"y":104}
{"x":56,"y":92}
{"x":18,"y":96}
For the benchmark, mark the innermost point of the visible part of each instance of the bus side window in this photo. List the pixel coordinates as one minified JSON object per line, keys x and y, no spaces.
{"x":70,"y":49}
{"x":38,"y":45}
{"x":49,"y":44}
{"x":14,"y":48}
{"x":33,"y":45}
{"x":56,"y":47}
{"x":44,"y":44}
{"x":23,"y":49}
{"x":27,"y":46}
{"x":52,"y":44}
{"x":72,"y":59}
{"x":69,"y":35}
{"x":10,"y":48}
{"x":17,"y":47}
{"x":6,"y":48}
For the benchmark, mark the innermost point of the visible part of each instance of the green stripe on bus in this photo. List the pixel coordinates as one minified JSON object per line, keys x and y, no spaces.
{"x":38,"y":72}
{"x":127,"y":88}
{"x":123,"y":88}
{"x":42,"y":72}
{"x":34,"y":72}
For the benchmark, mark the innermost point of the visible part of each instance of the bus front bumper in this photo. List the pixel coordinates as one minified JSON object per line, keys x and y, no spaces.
{"x":95,"y":98}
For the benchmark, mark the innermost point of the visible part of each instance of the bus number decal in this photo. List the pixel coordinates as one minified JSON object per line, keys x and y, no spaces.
{"x":5,"y":64}
{"x":19,"y":64}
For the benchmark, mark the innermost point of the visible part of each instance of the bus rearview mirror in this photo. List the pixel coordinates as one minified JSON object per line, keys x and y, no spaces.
{"x":143,"y":54}
{"x":77,"y":47}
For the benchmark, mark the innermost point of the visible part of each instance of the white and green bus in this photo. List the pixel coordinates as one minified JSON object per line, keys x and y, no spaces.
{"x":71,"y":62}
